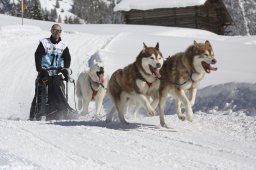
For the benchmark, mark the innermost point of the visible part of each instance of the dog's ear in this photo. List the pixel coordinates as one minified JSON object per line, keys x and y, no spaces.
{"x":208,"y":43}
{"x":195,"y":43}
{"x":144,"y":45}
{"x":94,"y":61}
{"x":157,"y":46}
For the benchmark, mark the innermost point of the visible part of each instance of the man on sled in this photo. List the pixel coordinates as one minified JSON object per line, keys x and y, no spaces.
{"x":52,"y":59}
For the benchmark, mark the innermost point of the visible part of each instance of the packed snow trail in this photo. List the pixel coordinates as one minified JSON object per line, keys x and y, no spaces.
{"x":217,"y":141}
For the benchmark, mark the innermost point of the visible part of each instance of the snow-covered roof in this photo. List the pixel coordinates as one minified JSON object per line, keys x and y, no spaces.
{"x":127,"y":5}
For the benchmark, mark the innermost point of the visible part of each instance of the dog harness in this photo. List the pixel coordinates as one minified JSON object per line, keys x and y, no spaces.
{"x":94,"y":92}
{"x":53,"y":57}
{"x":179,"y":84}
{"x":140,"y":77}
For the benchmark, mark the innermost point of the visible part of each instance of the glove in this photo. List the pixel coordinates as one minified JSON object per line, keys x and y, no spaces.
{"x":44,"y":72}
{"x":65,"y":74}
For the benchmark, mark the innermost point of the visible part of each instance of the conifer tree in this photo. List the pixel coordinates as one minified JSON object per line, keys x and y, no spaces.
{"x":53,"y":14}
{"x":57,"y":4}
{"x":70,"y":20}
{"x":36,"y":11}
{"x":76,"y":20}
{"x":59,"y":19}
{"x":66,"y":20}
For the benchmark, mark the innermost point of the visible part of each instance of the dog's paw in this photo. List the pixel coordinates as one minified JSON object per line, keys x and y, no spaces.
{"x":189,"y":118}
{"x":152,"y":113}
{"x":163,"y":124}
{"x":182,"y":117}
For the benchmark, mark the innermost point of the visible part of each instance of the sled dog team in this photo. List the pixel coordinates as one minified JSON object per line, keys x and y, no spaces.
{"x":147,"y":82}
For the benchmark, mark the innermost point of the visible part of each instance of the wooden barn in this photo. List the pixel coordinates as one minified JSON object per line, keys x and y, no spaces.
{"x":210,"y":15}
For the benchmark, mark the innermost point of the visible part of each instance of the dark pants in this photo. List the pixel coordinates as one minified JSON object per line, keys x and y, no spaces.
{"x":49,"y":97}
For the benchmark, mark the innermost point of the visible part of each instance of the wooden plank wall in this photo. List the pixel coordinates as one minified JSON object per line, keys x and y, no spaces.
{"x":210,"y":16}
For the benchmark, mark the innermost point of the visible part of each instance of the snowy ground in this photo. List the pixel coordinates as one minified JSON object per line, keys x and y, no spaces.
{"x":219,"y":140}
{"x":216,"y":141}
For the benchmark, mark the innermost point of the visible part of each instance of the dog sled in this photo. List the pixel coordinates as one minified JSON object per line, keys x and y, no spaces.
{"x":51,"y":96}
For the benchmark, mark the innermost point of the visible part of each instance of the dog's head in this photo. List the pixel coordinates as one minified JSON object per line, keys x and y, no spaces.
{"x":203,"y":57}
{"x":96,"y":72}
{"x":151,"y":60}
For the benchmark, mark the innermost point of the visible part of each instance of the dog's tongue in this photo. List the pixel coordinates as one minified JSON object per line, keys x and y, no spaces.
{"x":213,"y":68}
{"x":101,"y":78}
{"x":157,"y":72}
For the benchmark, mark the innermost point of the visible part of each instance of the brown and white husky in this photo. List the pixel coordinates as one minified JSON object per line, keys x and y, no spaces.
{"x":183,"y":72}
{"x":136,"y":83}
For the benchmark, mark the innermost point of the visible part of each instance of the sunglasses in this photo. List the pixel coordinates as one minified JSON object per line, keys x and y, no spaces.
{"x":56,"y":31}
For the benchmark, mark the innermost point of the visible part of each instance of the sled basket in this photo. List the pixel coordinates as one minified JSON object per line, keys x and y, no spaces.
{"x":51,"y":97}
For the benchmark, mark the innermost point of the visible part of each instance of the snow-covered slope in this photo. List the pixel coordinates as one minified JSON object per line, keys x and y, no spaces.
{"x":65,"y":4}
{"x":214,"y":140}
{"x":64,"y":9}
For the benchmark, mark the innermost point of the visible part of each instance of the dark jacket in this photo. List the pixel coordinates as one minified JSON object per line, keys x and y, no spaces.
{"x":40,"y":52}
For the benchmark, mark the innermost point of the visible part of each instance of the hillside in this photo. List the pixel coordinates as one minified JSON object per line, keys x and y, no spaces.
{"x":101,"y":12}
{"x":244,"y":15}
{"x":48,"y":10}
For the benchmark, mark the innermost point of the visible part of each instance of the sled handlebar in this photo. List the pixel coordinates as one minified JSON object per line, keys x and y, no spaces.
{"x":55,"y":68}
{"x":55,"y":71}
{"x":58,"y":69}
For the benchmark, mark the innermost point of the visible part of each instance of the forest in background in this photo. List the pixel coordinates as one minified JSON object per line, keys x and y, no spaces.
{"x":243,"y":13}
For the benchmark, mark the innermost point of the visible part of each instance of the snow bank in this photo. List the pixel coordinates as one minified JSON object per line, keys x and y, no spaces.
{"x":230,"y":98}
{"x":20,"y":28}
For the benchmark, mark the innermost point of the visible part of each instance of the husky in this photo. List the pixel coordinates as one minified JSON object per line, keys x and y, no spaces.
{"x":91,"y":85}
{"x":182,"y":73}
{"x":137,"y":82}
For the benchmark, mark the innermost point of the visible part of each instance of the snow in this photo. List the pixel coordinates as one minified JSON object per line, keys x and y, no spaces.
{"x":107,"y":2}
{"x":127,"y":5}
{"x":63,"y":11}
{"x":214,"y":140}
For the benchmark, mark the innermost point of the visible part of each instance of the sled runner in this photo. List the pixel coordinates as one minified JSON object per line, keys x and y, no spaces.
{"x":51,"y":96}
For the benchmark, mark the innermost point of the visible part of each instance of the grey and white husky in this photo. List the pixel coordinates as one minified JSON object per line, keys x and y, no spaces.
{"x":91,"y":85}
